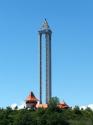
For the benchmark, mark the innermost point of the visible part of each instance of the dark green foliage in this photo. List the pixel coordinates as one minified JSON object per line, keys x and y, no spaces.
{"x":46,"y":116}
{"x":52,"y":105}
{"x":54,"y":101}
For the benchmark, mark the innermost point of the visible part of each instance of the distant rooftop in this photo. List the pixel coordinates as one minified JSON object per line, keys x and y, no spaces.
{"x":31,"y":98}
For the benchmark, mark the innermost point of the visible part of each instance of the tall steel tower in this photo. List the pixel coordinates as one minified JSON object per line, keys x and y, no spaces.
{"x":45,"y":30}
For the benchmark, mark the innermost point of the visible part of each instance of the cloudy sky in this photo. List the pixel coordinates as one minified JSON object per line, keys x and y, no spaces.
{"x":72,"y":49}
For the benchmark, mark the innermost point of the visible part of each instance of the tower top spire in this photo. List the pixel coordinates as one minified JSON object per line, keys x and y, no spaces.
{"x":45,"y":24}
{"x":45,"y":27}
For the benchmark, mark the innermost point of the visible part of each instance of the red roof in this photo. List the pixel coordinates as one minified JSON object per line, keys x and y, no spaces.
{"x":63,"y":105}
{"x":31,"y":98}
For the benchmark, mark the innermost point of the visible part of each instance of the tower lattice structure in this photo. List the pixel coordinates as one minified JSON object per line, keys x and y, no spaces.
{"x":45,"y":30}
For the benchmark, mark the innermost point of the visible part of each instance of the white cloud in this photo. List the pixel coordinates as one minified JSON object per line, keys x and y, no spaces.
{"x":90,"y":106}
{"x":21,"y":106}
{"x":83,"y":107}
{"x":87,"y":106}
{"x":13,"y":106}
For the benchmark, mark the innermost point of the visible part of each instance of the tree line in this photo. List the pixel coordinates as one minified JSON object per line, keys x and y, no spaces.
{"x":50,"y":116}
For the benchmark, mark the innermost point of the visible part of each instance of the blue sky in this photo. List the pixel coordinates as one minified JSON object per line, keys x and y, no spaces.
{"x":72,"y":49}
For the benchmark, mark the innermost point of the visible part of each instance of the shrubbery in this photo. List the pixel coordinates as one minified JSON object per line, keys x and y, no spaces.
{"x":49,"y":116}
{"x":46,"y":117}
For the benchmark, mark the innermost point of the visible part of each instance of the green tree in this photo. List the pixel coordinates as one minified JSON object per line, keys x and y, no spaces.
{"x":53,"y":102}
{"x":23,"y":118}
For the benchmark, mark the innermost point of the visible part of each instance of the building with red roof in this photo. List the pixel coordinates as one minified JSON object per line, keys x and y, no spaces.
{"x":31,"y":101}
